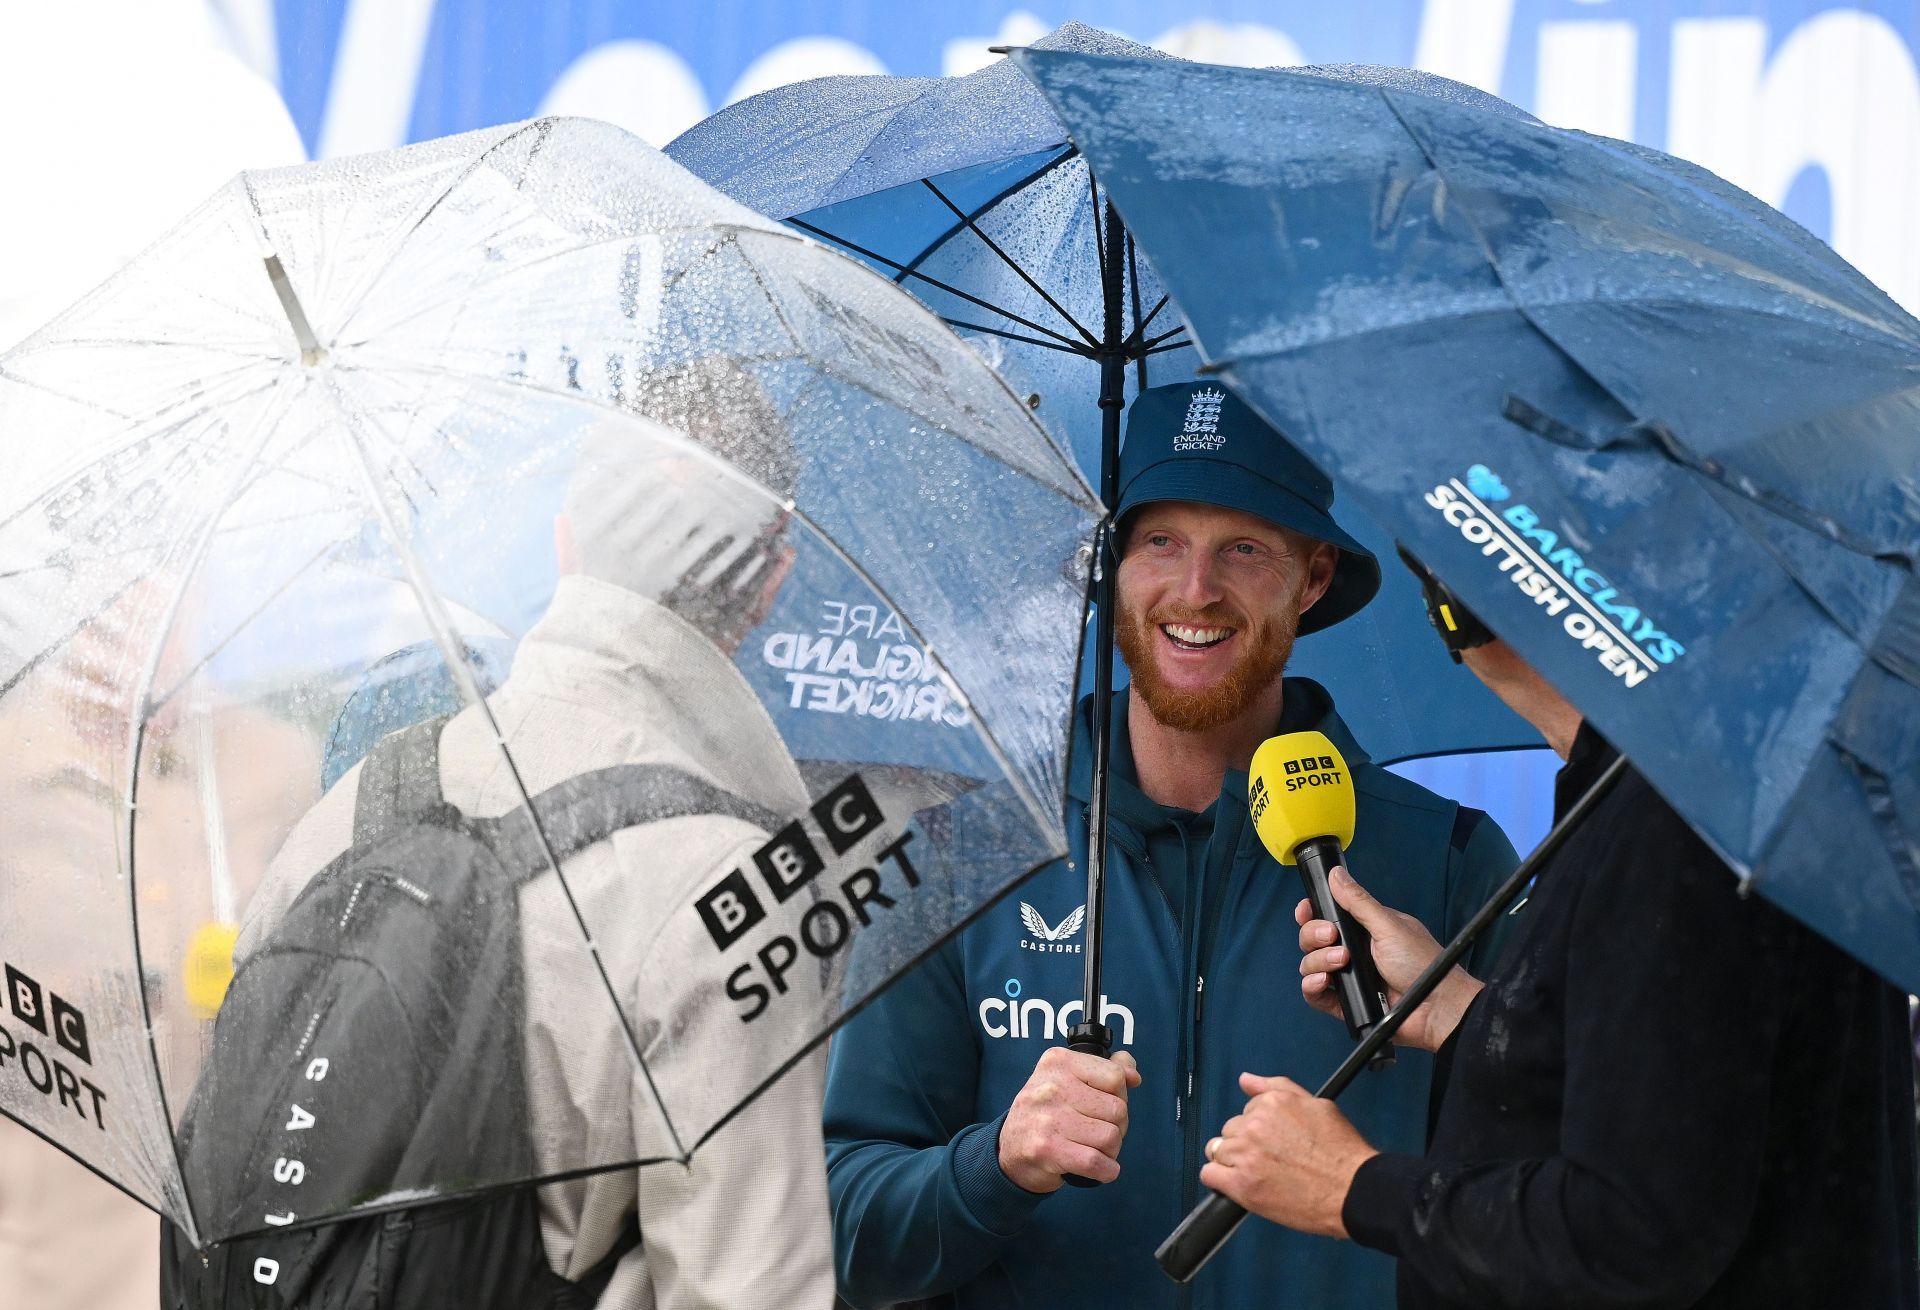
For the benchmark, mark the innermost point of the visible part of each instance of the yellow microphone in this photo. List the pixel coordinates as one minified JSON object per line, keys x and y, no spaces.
{"x":1300,"y":793}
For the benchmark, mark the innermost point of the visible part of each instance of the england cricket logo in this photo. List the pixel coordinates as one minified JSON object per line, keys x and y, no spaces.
{"x":1201,"y":431}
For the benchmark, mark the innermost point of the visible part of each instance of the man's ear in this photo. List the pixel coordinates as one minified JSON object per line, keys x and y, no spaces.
{"x":1320,"y":568}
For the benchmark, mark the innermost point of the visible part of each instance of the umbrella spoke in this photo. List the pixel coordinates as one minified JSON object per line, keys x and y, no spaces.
{"x":377,"y":269}
{"x":266,"y":426}
{"x":964,"y":325}
{"x":908,"y":271}
{"x":1140,"y":326}
{"x":1099,"y":238}
{"x":967,"y":220}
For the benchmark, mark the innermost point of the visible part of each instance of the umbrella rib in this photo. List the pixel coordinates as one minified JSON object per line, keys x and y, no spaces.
{"x":75,"y":474}
{"x":1486,"y":252}
{"x":443,"y":635}
{"x":1099,"y":237}
{"x":1012,"y":189}
{"x":35,"y":660}
{"x":1081,"y":351}
{"x":359,"y":296}
{"x":7,"y":375}
{"x":906,"y":271}
{"x":267,"y":425}
{"x":968,"y":222}
{"x":1140,"y":328}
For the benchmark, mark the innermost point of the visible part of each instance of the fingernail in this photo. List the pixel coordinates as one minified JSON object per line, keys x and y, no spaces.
{"x":1340,"y":874}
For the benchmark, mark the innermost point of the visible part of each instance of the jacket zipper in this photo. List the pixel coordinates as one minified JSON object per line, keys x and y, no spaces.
{"x":1227,"y":835}
{"x":1190,"y":1045}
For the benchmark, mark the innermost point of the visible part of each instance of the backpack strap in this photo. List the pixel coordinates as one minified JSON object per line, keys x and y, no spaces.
{"x":592,"y":806}
{"x":400,"y":782}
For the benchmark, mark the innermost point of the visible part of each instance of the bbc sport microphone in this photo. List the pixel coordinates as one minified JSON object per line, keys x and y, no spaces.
{"x":1300,"y":793}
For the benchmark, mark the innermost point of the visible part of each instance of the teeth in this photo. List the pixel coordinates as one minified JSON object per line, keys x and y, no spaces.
{"x":1196,"y":636}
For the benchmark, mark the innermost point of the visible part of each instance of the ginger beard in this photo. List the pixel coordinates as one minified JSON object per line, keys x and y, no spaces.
{"x":1269,"y":646}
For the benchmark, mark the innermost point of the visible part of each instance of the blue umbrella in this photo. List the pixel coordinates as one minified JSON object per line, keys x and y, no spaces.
{"x":1657,"y":436}
{"x":967,"y":192}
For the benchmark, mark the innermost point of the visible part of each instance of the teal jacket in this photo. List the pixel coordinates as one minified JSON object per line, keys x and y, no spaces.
{"x":1202,"y":981}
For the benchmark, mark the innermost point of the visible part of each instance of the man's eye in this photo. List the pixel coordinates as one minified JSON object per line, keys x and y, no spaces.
{"x":1245,"y":548}
{"x":1159,"y":539}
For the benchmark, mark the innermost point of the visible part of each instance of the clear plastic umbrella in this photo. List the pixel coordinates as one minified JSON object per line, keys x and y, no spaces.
{"x":306,"y":473}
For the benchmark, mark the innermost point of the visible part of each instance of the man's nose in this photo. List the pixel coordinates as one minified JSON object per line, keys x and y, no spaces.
{"x":1200,"y":579}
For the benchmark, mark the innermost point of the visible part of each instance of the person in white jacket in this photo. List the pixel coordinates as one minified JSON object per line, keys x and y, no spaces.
{"x":666,"y":562}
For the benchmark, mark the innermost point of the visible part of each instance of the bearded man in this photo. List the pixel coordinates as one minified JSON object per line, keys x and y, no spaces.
{"x":954,"y":1111}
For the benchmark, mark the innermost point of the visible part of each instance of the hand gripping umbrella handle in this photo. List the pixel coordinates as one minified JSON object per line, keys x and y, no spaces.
{"x":1089,"y":1039}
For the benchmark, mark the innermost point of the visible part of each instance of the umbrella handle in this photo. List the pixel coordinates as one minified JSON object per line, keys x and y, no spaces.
{"x":1089,"y":1038}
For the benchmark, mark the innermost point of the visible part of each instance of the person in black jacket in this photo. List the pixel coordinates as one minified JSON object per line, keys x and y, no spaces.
{"x":1667,"y":1094}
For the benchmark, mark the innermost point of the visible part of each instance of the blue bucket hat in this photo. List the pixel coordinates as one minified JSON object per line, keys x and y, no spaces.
{"x":1198,"y":441}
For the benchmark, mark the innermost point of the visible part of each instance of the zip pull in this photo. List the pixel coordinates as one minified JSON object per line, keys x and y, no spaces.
{"x":1199,"y":998}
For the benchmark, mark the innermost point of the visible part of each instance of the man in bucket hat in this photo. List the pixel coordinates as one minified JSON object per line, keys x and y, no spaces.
{"x":954,"y":1111}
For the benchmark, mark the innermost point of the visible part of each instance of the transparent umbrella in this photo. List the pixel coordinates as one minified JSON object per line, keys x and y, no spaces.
{"x":357,"y":441}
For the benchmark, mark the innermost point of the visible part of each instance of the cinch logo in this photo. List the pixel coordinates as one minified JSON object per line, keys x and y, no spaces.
{"x":1011,"y":1017}
{"x":49,"y":1015}
{"x":788,"y":863}
{"x":1054,"y":938}
{"x":1201,"y":431}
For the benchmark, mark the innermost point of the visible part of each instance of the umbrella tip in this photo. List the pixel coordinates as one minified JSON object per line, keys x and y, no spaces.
{"x":311,"y":351}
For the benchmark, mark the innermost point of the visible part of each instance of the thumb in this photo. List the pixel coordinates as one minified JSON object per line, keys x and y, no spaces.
{"x":1253,"y":1084}
{"x":1358,"y":901}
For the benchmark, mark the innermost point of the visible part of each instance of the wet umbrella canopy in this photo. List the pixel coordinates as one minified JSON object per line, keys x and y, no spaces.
{"x":1653,"y":433}
{"x":967,"y":192}
{"x":315,"y":443}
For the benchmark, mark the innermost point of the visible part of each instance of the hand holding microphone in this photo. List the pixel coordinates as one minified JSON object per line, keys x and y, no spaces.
{"x":1402,"y":948}
{"x":1300,"y":794}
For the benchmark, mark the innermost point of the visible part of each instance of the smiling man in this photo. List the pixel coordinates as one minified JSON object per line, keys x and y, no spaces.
{"x":955,"y":1112}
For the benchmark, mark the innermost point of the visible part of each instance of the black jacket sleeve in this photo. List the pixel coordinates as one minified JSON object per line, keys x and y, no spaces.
{"x":1676,"y":987}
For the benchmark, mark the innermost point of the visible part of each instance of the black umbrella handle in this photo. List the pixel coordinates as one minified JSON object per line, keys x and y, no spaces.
{"x":1089,"y":1038}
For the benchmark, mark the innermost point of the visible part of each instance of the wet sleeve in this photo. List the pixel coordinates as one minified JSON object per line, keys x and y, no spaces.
{"x":1676,"y":993}
{"x":920,"y":1205}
